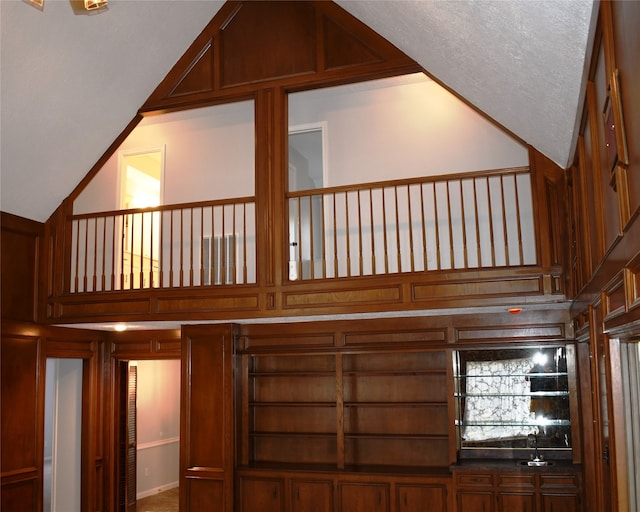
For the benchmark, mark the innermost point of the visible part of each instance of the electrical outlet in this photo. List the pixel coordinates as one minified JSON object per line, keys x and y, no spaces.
{"x":146,"y":471}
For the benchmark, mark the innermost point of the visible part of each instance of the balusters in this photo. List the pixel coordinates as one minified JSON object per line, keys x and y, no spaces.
{"x":213,"y":243}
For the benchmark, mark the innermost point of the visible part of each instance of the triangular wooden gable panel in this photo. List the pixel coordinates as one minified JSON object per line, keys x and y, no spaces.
{"x":343,"y":49}
{"x":250,"y":45}
{"x":198,"y":77}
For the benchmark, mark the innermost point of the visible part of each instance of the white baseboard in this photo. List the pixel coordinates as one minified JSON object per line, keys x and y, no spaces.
{"x":156,"y":490}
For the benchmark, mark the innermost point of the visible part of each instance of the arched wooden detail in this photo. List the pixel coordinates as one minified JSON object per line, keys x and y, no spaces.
{"x":242,"y":48}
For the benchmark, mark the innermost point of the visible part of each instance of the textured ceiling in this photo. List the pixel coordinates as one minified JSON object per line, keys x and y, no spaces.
{"x":71,"y":83}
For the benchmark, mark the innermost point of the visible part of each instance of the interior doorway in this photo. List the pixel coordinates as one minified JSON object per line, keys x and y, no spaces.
{"x":62,"y":435}
{"x":306,"y":170}
{"x":141,"y":175}
{"x":149,"y":430}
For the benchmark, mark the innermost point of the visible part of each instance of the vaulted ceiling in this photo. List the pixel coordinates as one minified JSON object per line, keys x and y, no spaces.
{"x":70,"y":84}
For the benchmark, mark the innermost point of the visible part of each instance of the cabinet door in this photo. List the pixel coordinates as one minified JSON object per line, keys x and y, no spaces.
{"x":560,"y":503}
{"x":261,"y":495}
{"x":517,"y":502}
{"x":475,"y":501}
{"x":316,"y":496}
{"x":421,"y":498}
{"x":364,"y":497}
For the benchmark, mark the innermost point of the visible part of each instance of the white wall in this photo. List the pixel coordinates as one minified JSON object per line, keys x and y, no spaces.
{"x":158,"y":426}
{"x":384,"y":129}
{"x":209,"y":155}
{"x":402,"y":127}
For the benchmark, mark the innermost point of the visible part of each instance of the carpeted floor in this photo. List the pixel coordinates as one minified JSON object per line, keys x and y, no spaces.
{"x":166,"y":501}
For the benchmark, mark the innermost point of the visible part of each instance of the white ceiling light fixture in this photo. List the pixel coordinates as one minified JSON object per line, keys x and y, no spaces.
{"x":78,"y":6}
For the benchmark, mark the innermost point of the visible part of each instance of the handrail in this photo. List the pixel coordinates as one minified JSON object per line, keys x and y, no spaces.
{"x":458,"y":221}
{"x":205,"y":243}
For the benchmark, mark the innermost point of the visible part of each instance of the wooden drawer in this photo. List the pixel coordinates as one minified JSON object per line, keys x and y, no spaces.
{"x":474,"y":480}
{"x":560,"y":480}
{"x":520,"y":481}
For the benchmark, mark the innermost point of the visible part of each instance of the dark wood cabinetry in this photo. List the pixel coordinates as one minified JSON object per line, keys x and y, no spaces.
{"x":421,"y":498}
{"x":500,"y":488}
{"x":363,"y":497}
{"x":311,"y":495}
{"x":261,"y":494}
{"x":268,"y":490}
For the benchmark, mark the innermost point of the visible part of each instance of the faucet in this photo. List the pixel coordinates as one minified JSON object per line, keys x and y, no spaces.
{"x":536,"y":458}
{"x":533,"y":443}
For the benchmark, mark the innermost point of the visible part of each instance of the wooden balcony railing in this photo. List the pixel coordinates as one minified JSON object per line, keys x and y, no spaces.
{"x":199,"y":244}
{"x":482,"y":220}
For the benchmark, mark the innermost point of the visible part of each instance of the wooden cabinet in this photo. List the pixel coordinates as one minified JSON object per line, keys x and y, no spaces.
{"x":257,"y":494}
{"x":364,"y":497}
{"x":558,"y":493}
{"x":478,"y":501}
{"x":421,"y":498}
{"x":560,"y":503}
{"x":270,"y":490}
{"x":517,"y":501}
{"x":516,"y":492}
{"x":311,"y":496}
{"x":499,"y":488}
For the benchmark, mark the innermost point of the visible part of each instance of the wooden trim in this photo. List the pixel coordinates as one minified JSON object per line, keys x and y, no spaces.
{"x":391,"y":293}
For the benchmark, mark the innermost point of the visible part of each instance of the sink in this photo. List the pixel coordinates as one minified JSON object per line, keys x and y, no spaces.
{"x":536,"y":463}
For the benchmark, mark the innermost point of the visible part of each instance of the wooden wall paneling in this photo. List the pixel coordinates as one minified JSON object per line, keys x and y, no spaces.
{"x":625,"y":17}
{"x":548,"y":183}
{"x":601,"y":413}
{"x":470,"y":288}
{"x":586,"y":234}
{"x":276,"y":28}
{"x":588,"y":430}
{"x":614,"y":296}
{"x":580,"y":262}
{"x":25,"y":348}
{"x":206,"y":423}
{"x":609,"y":189}
{"x":22,"y":422}
{"x":21,"y":243}
{"x":148,"y":344}
{"x":593,"y":197}
{"x":574,"y":403}
{"x":324,"y":45}
{"x":544,"y":243}
{"x":268,"y":231}
{"x":572,"y":277}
